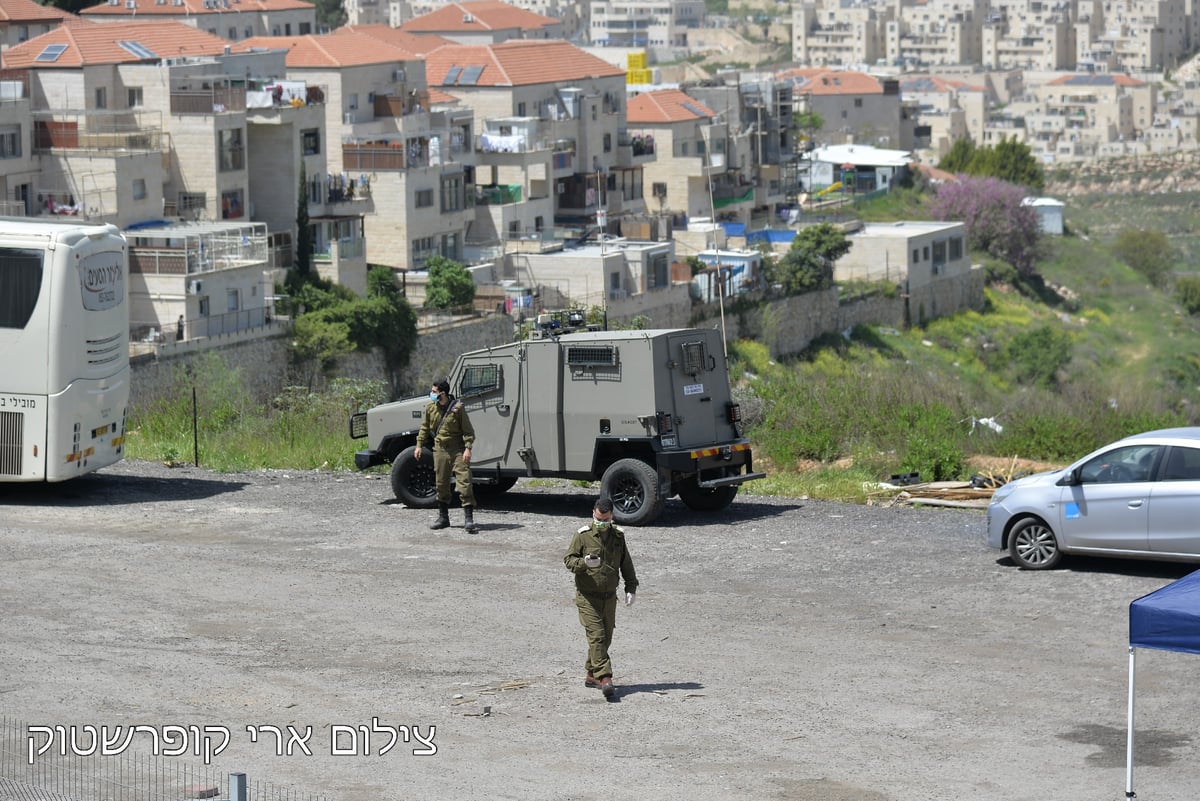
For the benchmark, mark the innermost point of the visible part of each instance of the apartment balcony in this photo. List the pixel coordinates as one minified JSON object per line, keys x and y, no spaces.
{"x":208,"y":99}
{"x":634,"y":149}
{"x":497,"y":194}
{"x":376,"y":155}
{"x":400,"y":104}
{"x":100,"y":132}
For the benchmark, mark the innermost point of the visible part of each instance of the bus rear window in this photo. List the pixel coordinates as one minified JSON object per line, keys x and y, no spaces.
{"x":20,"y":285}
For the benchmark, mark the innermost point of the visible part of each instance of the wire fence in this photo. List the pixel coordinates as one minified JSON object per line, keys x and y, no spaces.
{"x":35,"y":766}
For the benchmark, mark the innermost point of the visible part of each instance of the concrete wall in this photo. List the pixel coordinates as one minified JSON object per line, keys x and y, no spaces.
{"x":266,"y":365}
{"x":787,"y":326}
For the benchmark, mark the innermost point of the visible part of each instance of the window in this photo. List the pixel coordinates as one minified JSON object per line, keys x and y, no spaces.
{"x":192,"y":201}
{"x":287,"y":29}
{"x":204,"y":306}
{"x":591,"y":355}
{"x":858,"y":102}
{"x":248,"y":32}
{"x":1120,"y":465}
{"x":700,"y":149}
{"x":424,"y":198}
{"x":514,"y":229}
{"x":232,"y":154}
{"x":659,"y":190}
{"x":305,"y":28}
{"x":453,"y":193}
{"x":315,"y":189}
{"x":593,"y":112}
{"x":916,"y":256}
{"x":22,"y":33}
{"x":683,"y":148}
{"x":520,"y":109}
{"x":658,"y":275}
{"x":956,"y":248}
{"x":231,"y":300}
{"x":352,"y":102}
{"x":232,"y":34}
{"x":694,"y":357}
{"x":539,"y":223}
{"x":231,"y":205}
{"x":1183,"y":464}
{"x":608,"y":143}
{"x":479,"y":379}
{"x":925,"y":253}
{"x":20,"y":285}
{"x":139,"y":188}
{"x":101,"y":97}
{"x":134,"y":95}
{"x":310,"y":141}
{"x":10,"y":141}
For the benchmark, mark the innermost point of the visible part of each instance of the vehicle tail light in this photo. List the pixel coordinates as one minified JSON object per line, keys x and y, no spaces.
{"x":733,"y":413}
{"x":666,"y":423}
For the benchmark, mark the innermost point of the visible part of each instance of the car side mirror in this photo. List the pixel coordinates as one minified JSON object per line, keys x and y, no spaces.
{"x":1069,"y":479}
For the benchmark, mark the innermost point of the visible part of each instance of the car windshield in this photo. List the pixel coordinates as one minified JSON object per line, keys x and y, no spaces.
{"x":1127,"y":463}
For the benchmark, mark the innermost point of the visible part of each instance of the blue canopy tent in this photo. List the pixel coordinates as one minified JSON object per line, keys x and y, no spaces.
{"x":1167,"y":619}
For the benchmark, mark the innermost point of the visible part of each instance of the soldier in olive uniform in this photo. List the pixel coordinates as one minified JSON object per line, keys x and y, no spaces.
{"x":599,"y":559}
{"x":447,"y":426}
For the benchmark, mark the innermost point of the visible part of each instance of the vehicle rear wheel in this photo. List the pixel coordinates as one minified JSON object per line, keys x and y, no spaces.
{"x":497,"y":487}
{"x":1033,"y":545}
{"x":632,"y":485}
{"x":413,"y":481}
{"x":705,"y":499}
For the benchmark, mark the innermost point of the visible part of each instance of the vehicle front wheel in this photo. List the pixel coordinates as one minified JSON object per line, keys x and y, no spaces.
{"x":1033,"y":545}
{"x":705,"y":499}
{"x":413,"y":481}
{"x":632,"y":485}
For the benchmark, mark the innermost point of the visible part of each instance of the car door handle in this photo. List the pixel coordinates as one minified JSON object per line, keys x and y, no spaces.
{"x":1135,"y":504}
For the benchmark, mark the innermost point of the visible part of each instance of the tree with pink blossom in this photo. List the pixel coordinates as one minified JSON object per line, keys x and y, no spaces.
{"x":997,"y":221}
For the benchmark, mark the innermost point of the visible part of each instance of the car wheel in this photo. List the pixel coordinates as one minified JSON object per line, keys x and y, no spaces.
{"x":705,"y":499}
{"x":1033,"y":545}
{"x":413,"y":481}
{"x":632,"y":485}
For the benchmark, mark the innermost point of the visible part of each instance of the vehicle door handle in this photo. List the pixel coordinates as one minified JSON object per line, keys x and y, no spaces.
{"x":1135,"y":504}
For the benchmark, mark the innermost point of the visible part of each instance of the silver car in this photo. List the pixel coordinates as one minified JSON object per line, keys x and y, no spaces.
{"x":1138,"y":497}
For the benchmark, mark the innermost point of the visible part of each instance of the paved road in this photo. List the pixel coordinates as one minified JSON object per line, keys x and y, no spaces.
{"x":784,"y":649}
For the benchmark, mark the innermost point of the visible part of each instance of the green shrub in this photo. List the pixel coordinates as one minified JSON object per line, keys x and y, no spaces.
{"x":931,"y":446}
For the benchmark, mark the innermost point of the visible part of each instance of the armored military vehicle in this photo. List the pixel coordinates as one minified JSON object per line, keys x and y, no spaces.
{"x":647,"y":413}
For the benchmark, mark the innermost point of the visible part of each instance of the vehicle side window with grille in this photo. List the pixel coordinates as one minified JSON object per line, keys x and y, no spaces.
{"x":694,"y":357}
{"x":479,"y":379}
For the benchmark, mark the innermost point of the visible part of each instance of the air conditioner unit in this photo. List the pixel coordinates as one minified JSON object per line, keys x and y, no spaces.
{"x":195,"y":287}
{"x":398,"y":76}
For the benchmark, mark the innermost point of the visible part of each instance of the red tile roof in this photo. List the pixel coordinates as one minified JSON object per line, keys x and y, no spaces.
{"x":517,"y":62}
{"x":418,"y":43}
{"x":478,"y":16}
{"x":666,"y":105}
{"x":87,"y":43}
{"x":18,"y":11}
{"x":822,"y":81}
{"x":439,"y":98}
{"x":187,"y":8}
{"x":932,"y":83}
{"x":329,"y":50}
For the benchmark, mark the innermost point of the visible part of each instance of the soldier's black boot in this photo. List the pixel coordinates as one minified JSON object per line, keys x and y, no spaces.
{"x":469,"y":520}
{"x":443,"y":519}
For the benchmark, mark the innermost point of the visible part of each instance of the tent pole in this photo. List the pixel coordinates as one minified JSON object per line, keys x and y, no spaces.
{"x":1129,"y":793}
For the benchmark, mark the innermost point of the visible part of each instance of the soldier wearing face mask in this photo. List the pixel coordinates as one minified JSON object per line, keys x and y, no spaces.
{"x":599,"y":559}
{"x":449,"y":430}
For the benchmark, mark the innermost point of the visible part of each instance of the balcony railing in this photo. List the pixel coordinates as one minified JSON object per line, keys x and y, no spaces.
{"x":376,"y":156}
{"x":497,"y":195}
{"x":86,"y":133}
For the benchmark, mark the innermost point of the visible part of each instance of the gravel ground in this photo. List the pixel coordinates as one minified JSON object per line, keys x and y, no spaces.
{"x":783,"y":649}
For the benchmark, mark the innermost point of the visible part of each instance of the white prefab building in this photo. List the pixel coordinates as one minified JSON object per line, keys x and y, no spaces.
{"x":1050,"y":211}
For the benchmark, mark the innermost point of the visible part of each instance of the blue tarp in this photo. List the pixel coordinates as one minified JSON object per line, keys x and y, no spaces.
{"x":734,"y":229}
{"x":772,"y":235}
{"x":1168,"y":618}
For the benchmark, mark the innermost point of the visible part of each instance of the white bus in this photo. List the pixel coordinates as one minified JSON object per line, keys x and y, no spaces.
{"x":64,"y":348}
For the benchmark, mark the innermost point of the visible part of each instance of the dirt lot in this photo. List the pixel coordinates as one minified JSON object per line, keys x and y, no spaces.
{"x":784,"y":649}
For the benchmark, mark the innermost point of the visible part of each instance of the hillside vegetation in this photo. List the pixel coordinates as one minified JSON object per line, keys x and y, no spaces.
{"x":1090,"y":353}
